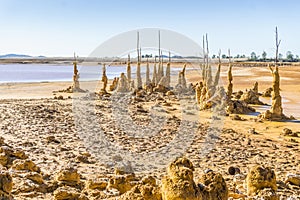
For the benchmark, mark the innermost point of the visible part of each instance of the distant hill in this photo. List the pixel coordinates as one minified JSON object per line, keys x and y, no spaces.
{"x":12,"y":55}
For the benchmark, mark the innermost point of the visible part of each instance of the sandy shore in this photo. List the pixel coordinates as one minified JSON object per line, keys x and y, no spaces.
{"x":244,"y":78}
{"x":47,"y":131}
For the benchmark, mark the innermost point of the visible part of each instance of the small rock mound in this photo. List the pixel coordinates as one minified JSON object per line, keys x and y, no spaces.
{"x":160,"y":88}
{"x":28,"y":180}
{"x":289,"y":132}
{"x":66,"y":192}
{"x":269,"y":116}
{"x":93,"y":184}
{"x":238,"y":107}
{"x":8,"y":155}
{"x":94,"y":188}
{"x":68,"y":176}
{"x":237,"y":117}
{"x":215,"y":186}
{"x":260,"y":178}
{"x":27,"y":165}
{"x":146,"y":190}
{"x":179,"y":183}
{"x":251,"y":97}
{"x":122,"y":182}
{"x":267,"y":194}
{"x":35,"y":177}
{"x":6,"y":185}
{"x":68,"y":185}
{"x":293,"y":179}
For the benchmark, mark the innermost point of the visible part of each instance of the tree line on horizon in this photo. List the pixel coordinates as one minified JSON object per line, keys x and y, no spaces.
{"x":290,"y":57}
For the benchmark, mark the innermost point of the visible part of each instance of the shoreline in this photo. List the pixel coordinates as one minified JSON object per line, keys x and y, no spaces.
{"x":242,"y":78}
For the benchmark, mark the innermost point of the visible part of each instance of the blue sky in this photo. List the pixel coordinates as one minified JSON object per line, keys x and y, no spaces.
{"x":60,"y":27}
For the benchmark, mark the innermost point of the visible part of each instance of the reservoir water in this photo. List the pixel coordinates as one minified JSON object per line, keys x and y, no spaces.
{"x":17,"y":73}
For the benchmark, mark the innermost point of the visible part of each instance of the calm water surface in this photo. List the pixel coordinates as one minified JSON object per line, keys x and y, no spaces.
{"x":14,"y":73}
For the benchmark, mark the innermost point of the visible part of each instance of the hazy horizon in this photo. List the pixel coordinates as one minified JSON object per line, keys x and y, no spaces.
{"x":60,"y":27}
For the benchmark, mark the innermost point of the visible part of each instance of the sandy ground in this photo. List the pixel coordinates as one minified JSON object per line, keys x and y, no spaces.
{"x":244,"y":78}
{"x":29,"y":115}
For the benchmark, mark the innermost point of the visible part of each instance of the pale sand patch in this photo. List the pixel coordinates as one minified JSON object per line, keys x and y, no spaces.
{"x":268,"y":79}
{"x":242,"y":72}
